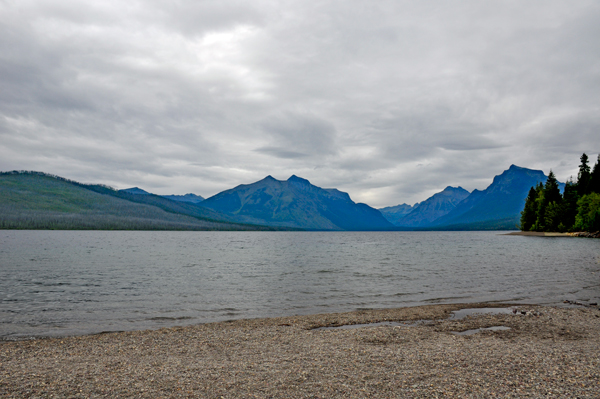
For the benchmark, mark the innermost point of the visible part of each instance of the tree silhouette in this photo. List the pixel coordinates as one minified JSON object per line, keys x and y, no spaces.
{"x":529,"y":214}
{"x":594,"y":186}
{"x":583,"y":178}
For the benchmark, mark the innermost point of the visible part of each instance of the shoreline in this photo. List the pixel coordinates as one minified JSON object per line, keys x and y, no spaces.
{"x":546,"y":351}
{"x":584,"y":234}
{"x":538,"y":234}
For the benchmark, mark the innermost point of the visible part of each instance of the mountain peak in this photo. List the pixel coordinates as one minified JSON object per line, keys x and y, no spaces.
{"x":514,"y":168}
{"x":135,"y":190}
{"x":516,"y":172}
{"x":296,"y":179}
{"x":450,"y":189}
{"x":269,"y":180}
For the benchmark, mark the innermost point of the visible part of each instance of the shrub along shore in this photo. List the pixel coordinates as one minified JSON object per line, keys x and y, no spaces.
{"x":546,"y":351}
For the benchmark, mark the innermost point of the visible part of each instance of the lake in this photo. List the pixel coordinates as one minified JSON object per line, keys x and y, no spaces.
{"x":55,"y":283}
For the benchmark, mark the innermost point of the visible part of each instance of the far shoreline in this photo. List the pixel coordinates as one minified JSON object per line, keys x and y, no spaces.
{"x":584,"y":234}
{"x":538,"y":234}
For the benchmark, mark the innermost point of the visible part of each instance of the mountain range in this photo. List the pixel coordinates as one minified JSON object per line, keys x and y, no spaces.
{"x":191,"y":198}
{"x":504,"y":199}
{"x":425,"y":213}
{"x":38,"y":200}
{"x":497,"y":207}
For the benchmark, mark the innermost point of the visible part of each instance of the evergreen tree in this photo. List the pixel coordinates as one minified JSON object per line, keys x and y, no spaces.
{"x":549,"y":206}
{"x":595,"y":178}
{"x":540,"y":209}
{"x":529,"y":214}
{"x":551,"y":189}
{"x":570,"y":198}
{"x":553,"y":217}
{"x":583,"y":178}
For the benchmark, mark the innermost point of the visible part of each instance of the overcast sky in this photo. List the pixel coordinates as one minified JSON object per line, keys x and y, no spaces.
{"x":390,"y":101}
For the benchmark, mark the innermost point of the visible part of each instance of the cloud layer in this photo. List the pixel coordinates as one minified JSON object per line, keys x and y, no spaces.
{"x":390,"y":101}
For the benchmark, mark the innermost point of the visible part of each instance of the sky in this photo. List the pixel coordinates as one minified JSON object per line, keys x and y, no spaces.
{"x":390,"y":101}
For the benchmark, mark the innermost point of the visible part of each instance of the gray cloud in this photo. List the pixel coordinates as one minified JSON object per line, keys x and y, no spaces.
{"x":281,"y":152}
{"x":389,"y":101}
{"x":298,"y":135}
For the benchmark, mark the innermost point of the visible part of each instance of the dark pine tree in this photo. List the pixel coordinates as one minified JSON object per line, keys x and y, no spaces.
{"x":549,"y":209}
{"x":540,"y":208}
{"x":529,"y":214}
{"x":551,"y":189}
{"x":584,"y":176}
{"x":570,"y":198}
{"x":595,"y":178}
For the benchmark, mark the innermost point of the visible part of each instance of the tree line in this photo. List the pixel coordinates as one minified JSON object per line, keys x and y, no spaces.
{"x":577,"y":208}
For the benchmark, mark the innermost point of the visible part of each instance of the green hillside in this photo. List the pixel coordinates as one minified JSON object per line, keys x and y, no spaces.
{"x":34,"y":200}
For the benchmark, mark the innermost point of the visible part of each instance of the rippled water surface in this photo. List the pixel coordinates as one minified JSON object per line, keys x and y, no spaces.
{"x":78,"y":282}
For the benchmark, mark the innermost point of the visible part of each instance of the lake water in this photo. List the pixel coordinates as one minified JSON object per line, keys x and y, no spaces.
{"x":79,"y":282}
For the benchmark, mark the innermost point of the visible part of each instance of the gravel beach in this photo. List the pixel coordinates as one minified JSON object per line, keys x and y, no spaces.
{"x":546,"y":352}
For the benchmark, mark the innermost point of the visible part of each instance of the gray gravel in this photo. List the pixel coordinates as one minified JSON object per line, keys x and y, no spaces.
{"x":548,"y":352}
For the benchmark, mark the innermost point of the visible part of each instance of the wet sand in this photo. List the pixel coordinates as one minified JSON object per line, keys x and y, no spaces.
{"x":547,"y":351}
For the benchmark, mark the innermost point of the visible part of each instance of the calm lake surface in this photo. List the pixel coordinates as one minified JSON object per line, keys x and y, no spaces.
{"x":79,"y":282}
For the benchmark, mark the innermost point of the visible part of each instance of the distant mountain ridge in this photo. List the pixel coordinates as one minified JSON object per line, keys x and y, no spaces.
{"x":436,"y":206}
{"x":296,"y":203}
{"x":395,"y":213}
{"x":191,"y":198}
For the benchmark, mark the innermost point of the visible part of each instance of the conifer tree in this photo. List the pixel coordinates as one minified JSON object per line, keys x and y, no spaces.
{"x":583,"y":178}
{"x":540,"y":211}
{"x":552,"y":204}
{"x":595,"y":178}
{"x":553,"y":217}
{"x":570,"y":198}
{"x":529,"y":214}
{"x":551,"y":189}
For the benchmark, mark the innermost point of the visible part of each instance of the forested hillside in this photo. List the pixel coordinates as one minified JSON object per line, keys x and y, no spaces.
{"x":35,"y":200}
{"x":576,"y":209}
